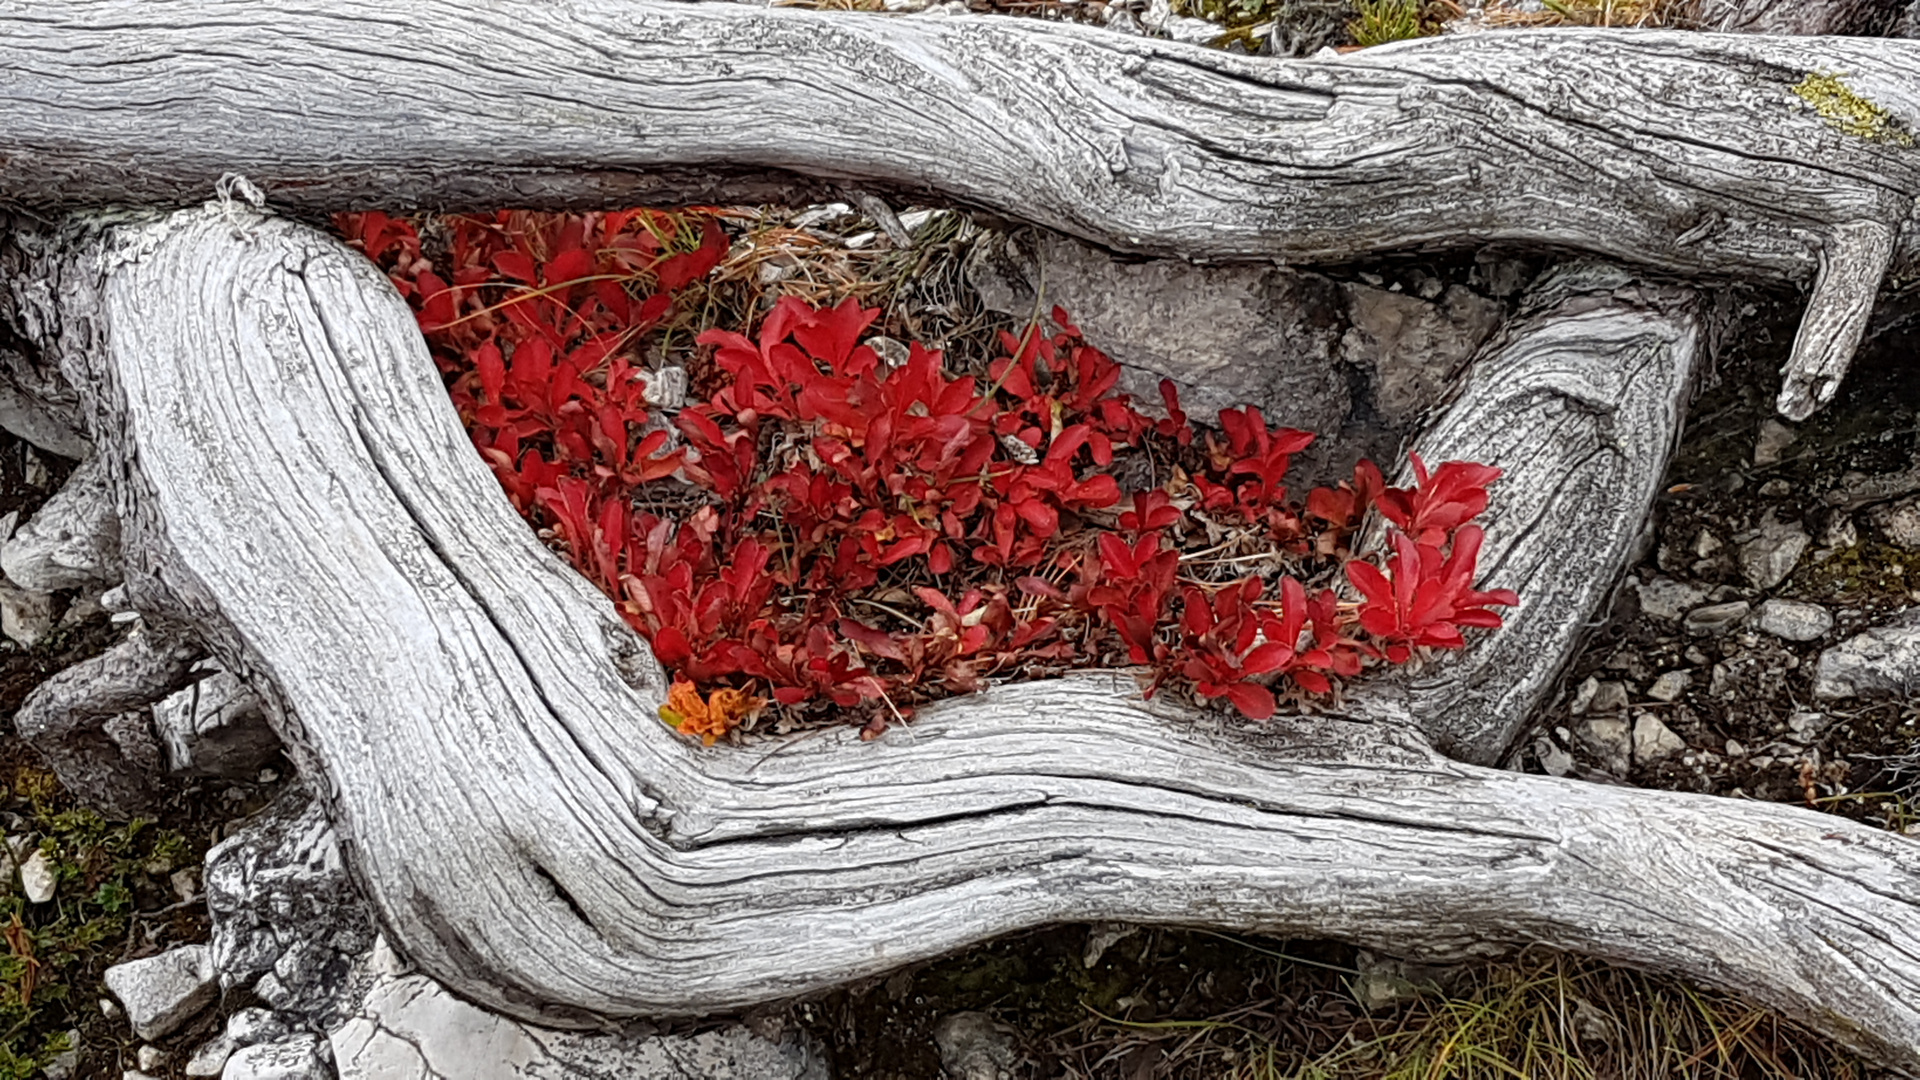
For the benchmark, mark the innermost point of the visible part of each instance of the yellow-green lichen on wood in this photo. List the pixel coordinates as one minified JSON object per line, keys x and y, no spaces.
{"x":1847,"y":111}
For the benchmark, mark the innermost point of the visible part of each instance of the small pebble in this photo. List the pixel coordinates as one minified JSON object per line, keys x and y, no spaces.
{"x":1583,"y":696}
{"x":1653,"y":739}
{"x":1772,"y":442}
{"x":1670,"y":686}
{"x":1609,"y":697}
{"x":1717,"y":618}
{"x":37,"y":878}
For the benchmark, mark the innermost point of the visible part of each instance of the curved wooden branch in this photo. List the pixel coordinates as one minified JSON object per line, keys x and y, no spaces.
{"x":1687,"y":153}
{"x":532,"y":836}
{"x":65,"y":717}
{"x":1580,"y":399}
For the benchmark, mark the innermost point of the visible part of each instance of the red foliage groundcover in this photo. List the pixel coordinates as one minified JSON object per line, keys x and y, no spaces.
{"x":855,"y":537}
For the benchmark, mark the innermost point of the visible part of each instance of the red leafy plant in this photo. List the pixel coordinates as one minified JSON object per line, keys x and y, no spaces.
{"x":825,"y":533}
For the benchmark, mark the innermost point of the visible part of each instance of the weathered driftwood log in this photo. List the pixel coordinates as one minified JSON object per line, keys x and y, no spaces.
{"x":295,"y":482}
{"x":1685,"y":153}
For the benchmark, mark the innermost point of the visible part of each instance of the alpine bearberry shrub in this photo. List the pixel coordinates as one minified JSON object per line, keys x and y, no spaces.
{"x":823,"y":533}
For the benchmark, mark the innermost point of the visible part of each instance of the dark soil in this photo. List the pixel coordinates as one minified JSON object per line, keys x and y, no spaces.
{"x":117,"y":898}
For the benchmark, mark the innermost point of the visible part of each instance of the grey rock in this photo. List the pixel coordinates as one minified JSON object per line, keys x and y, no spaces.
{"x":1807,"y":726}
{"x":64,"y":1065}
{"x":975,"y":1046}
{"x":1670,"y":685}
{"x":1793,"y":620}
{"x":1609,"y":697}
{"x":25,"y":617}
{"x":1609,"y":739}
{"x":1717,"y":618}
{"x":216,"y":728}
{"x":1553,"y":760}
{"x":150,"y":1059}
{"x":245,"y":1028}
{"x":1767,"y":559}
{"x":210,"y":1057}
{"x":37,"y":878}
{"x":1839,"y":532}
{"x":162,"y":992}
{"x":1653,"y":740}
{"x":1665,"y":598}
{"x":1771,"y":444}
{"x":285,"y":913}
{"x":1735,"y":749}
{"x":1706,"y":544}
{"x":301,"y":1057}
{"x":307,"y":971}
{"x":1901,"y":522}
{"x":249,"y":1026}
{"x":1243,"y":325}
{"x":1583,"y":696}
{"x":411,"y":1028}
{"x":1885,"y":659}
{"x":73,"y":541}
{"x":1390,"y":330}
{"x":1775,"y":488}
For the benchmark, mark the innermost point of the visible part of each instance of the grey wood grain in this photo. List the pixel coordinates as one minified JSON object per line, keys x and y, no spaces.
{"x":1685,"y":153}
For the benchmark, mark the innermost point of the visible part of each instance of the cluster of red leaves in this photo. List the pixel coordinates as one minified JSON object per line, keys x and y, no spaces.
{"x":868,"y":536}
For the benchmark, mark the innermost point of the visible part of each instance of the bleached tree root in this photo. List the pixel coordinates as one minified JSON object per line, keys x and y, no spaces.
{"x":71,"y":542}
{"x":1699,"y":155}
{"x":66,"y":717}
{"x":298,"y":488}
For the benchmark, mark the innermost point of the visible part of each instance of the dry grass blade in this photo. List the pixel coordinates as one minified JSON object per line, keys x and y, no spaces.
{"x":1617,"y":13}
{"x":1543,"y":1016}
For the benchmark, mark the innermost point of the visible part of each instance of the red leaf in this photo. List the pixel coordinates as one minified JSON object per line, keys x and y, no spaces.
{"x":568,"y":266}
{"x":516,"y":265}
{"x":1254,"y":700}
{"x":492,"y":368}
